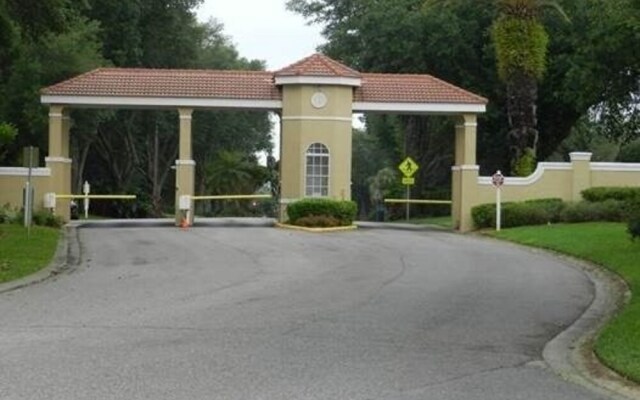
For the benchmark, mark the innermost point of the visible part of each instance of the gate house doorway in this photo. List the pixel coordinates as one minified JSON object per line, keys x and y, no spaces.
{"x":315,"y":99}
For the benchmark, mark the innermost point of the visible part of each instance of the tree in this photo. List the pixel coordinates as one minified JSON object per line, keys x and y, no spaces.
{"x":7,"y":134}
{"x":233,"y":172}
{"x":521,"y":42}
{"x":452,"y":39}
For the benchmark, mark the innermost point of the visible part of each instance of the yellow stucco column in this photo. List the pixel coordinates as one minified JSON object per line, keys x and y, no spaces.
{"x":464,"y":173}
{"x":58,"y":160}
{"x":315,"y":114}
{"x":185,"y":167}
{"x":581,"y":166}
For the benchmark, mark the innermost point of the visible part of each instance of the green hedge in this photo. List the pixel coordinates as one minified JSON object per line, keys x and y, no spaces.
{"x":584,"y":211}
{"x":343,"y":211}
{"x":600,"y":194}
{"x":633,"y":223}
{"x":531,"y":212}
{"x":539,"y":212}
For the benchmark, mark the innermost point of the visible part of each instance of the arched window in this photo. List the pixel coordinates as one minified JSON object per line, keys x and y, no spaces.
{"x":317,"y":177}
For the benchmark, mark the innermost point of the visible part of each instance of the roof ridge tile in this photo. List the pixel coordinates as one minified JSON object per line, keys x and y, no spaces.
{"x":318,"y":64}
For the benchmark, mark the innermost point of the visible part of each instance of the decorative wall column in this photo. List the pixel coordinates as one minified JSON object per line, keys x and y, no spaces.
{"x":581,"y":166}
{"x":58,"y":160}
{"x":185,"y":167}
{"x":465,"y":173}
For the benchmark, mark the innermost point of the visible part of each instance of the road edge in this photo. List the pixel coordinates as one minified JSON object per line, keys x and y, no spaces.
{"x":66,"y":257}
{"x":570,"y":354}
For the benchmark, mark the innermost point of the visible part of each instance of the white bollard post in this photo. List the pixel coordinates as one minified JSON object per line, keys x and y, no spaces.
{"x":86,"y":189}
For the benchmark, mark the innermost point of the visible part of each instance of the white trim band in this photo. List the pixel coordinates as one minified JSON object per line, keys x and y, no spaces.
{"x":288,"y":201}
{"x":531,"y":179}
{"x":185,"y":162}
{"x":315,"y":118}
{"x":150,"y":102}
{"x":317,"y":80}
{"x":467,"y":125}
{"x":22,"y":171}
{"x":63,"y":160}
{"x":55,"y":114}
{"x":435,"y":108}
{"x":465,"y":168}
{"x":615,"y":167}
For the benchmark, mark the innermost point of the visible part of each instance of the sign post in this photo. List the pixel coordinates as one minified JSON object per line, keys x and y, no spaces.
{"x":408,"y":167}
{"x":28,"y":195}
{"x":497,"y":180}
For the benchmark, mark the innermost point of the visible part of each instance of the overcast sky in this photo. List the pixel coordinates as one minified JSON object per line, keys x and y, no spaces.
{"x":259,"y":29}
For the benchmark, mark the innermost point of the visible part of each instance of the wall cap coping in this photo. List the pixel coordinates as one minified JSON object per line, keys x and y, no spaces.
{"x":615,"y":167}
{"x":580,"y":156}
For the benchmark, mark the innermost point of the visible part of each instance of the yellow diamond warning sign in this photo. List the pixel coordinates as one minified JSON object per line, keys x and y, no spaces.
{"x":408,"y":167}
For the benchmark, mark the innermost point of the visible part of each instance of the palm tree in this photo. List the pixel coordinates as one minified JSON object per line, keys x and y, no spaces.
{"x":521,"y":42}
{"x":232,"y":173}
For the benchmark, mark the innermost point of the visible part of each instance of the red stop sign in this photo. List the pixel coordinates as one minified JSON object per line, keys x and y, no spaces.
{"x":497,"y":179}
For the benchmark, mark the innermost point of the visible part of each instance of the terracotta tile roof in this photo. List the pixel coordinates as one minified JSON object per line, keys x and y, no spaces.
{"x":407,"y":88}
{"x":318,"y":65}
{"x":257,"y":85}
{"x":122,"y":82}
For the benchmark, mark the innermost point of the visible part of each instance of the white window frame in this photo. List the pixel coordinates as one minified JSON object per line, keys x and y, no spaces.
{"x":314,"y":173}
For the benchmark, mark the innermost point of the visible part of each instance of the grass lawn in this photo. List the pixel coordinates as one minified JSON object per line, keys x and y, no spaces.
{"x":444,"y":221}
{"x":21,"y":255}
{"x":609,"y":245}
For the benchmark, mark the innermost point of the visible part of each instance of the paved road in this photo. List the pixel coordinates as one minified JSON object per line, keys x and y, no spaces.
{"x":260,"y":313}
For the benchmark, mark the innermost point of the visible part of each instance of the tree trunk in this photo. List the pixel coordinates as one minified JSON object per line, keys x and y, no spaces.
{"x":522,"y":96}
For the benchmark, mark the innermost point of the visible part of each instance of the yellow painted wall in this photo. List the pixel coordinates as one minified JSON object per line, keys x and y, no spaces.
{"x":559,"y":180}
{"x":303,"y":124}
{"x":12,"y":182}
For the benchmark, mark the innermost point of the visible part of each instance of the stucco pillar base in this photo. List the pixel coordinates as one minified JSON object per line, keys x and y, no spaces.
{"x":60,"y":183}
{"x":464,"y":190}
{"x":185,"y":185}
{"x":581,"y":166}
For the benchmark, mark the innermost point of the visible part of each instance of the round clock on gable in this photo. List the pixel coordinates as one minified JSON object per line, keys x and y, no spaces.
{"x":319,"y":100}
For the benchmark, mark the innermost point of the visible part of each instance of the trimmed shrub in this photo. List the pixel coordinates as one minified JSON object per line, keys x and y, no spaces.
{"x":633,"y":218}
{"x":343,"y":211}
{"x":6,"y":214}
{"x":46,"y":218}
{"x":484,"y":215}
{"x":585,"y":211}
{"x":599,"y":194}
{"x":318,"y":221}
{"x":531,"y":212}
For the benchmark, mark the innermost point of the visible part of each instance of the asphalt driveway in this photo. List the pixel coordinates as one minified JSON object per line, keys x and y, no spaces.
{"x":262,"y":313}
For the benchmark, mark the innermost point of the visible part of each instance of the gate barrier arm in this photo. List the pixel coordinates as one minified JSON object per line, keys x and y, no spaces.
{"x":233,"y":197}
{"x":414,"y":201}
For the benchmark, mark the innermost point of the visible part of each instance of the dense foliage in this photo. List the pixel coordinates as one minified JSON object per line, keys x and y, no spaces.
{"x":589,"y":75}
{"x":122,"y":151}
{"x":323,"y":211}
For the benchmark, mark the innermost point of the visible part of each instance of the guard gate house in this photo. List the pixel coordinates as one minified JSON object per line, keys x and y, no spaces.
{"x":315,"y":99}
